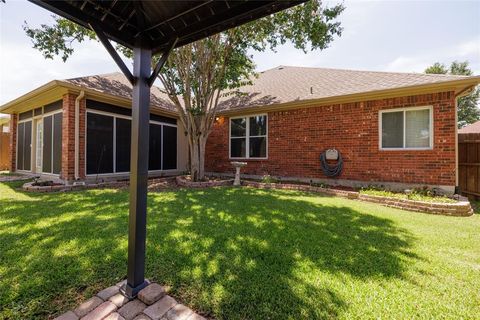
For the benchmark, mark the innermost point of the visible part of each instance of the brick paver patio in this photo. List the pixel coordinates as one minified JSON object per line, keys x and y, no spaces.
{"x":152,"y":303}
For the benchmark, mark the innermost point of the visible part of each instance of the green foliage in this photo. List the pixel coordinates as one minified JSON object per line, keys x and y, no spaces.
{"x":268,"y":179}
{"x":240,"y":253}
{"x":57,"y":39}
{"x":437,"y":68}
{"x":468,"y":106}
{"x":419,"y":194}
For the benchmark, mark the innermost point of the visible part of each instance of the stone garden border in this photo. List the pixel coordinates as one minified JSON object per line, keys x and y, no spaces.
{"x":183,"y":181}
{"x":461,"y":208}
{"x":63,"y":187}
{"x":105,"y":184}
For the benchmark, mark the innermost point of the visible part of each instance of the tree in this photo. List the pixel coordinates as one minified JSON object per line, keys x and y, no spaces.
{"x":197,"y":75}
{"x":468,"y":111}
{"x":437,"y":68}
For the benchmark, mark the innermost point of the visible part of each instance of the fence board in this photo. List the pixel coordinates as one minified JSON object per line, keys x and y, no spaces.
{"x":469,"y":164}
{"x":4,"y":143}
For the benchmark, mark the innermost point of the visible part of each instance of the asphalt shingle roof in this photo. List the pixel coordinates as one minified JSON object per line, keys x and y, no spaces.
{"x":471,"y":128}
{"x":117,"y":84}
{"x":288,"y":84}
{"x":280,"y":85}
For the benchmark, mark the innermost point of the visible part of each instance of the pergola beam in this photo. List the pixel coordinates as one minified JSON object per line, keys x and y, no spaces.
{"x":161,"y":62}
{"x":113,"y":53}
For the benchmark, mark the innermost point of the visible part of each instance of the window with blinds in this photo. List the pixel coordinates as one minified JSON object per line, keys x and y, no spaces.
{"x":409,"y":128}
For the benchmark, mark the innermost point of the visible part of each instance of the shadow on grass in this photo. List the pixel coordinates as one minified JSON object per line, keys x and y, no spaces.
{"x":261,"y":254}
{"x":231,"y":253}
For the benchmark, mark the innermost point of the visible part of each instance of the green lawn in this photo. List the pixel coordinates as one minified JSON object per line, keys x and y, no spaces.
{"x":241,"y":253}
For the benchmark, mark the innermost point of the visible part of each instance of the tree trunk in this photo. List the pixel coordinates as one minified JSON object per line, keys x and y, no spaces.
{"x":201,"y":154}
{"x":194,"y":159}
{"x":197,"y":155}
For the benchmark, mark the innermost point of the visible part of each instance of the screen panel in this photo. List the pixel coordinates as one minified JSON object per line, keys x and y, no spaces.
{"x":57,"y":105}
{"x":47,"y":144}
{"x":57,"y":143}
{"x":123,"y":141}
{"x":106,"y":107}
{"x":169,"y":148}
{"x":25,"y":115}
{"x":38,"y":111}
{"x":159,"y":118}
{"x":20,"y":144}
{"x":99,"y":144}
{"x":27,"y":149}
{"x":155,"y":151}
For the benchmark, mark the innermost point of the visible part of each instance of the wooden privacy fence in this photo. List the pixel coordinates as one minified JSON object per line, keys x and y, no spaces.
{"x":469,"y":164}
{"x":4,"y":142}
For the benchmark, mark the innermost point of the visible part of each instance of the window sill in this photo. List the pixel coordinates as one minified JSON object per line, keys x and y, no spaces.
{"x":247,"y":159}
{"x":405,"y":149}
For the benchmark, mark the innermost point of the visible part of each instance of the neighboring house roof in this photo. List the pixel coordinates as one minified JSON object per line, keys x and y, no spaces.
{"x":277,"y":88}
{"x":471,"y":128}
{"x":285,"y":84}
{"x":4,"y":119}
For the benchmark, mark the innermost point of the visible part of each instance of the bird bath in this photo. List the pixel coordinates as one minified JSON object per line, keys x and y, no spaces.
{"x":237,"y":166}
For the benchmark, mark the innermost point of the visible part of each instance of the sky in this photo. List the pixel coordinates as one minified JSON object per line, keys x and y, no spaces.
{"x":401,"y":36}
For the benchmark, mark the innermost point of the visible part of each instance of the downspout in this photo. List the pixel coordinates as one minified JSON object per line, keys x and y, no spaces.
{"x":77,"y":132}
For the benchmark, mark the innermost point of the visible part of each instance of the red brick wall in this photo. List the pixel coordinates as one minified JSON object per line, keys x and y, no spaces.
{"x":12,"y":150}
{"x":68,"y":138}
{"x":297,"y":137}
{"x":81,"y":140}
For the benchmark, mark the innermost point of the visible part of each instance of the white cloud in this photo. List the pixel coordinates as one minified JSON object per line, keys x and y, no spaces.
{"x":468,"y":50}
{"x":27,"y":68}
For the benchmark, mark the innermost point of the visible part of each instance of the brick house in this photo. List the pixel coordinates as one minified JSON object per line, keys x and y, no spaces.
{"x":392,"y":129}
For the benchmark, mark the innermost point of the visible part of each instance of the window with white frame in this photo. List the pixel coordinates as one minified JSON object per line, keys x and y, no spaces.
{"x":409,"y":128}
{"x":248,"y":137}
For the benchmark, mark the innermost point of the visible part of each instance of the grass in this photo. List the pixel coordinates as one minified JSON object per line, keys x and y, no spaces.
{"x":418,"y":196}
{"x":8,"y":173}
{"x":241,"y":253}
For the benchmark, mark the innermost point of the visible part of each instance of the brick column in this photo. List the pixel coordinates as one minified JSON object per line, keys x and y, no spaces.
{"x":82,"y":136}
{"x":68,"y":138}
{"x":12,"y":149}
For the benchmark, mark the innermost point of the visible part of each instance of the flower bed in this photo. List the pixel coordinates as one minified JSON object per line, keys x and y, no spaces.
{"x":185,"y":181}
{"x":302,"y":187}
{"x":461,"y":207}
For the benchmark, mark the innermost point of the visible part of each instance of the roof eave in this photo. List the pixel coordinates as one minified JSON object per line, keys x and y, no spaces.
{"x":55,"y":89}
{"x":458,"y":86}
{"x":13,"y":105}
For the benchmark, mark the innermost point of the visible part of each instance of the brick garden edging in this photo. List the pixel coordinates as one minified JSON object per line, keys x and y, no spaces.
{"x":62,"y":187}
{"x":184,"y":182}
{"x":301,"y":187}
{"x":106,"y":184}
{"x":152,"y":303}
{"x":461,"y":208}
{"x":12,"y":178}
